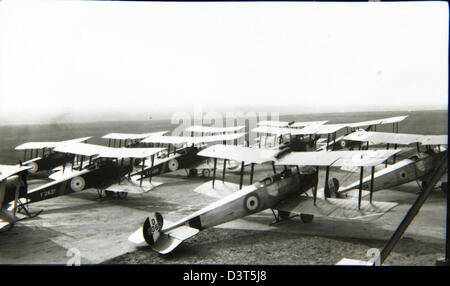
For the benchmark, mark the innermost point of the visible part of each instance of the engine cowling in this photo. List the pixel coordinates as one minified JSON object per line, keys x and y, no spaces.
{"x":77,"y":184}
{"x":34,"y":167}
{"x":173,"y":165}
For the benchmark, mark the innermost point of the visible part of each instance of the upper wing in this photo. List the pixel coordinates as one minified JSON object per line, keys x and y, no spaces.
{"x":107,"y":152}
{"x":378,"y":121}
{"x":308,"y":123}
{"x":321,"y":129}
{"x":239,"y":153}
{"x":192,"y":140}
{"x":211,"y":129}
{"x":167,"y":139}
{"x":273,"y":130}
{"x":216,"y":138}
{"x":434,"y":140}
{"x":396,"y":138}
{"x":132,"y":136}
{"x":361,"y":158}
{"x":273,"y":123}
{"x":41,"y":145}
{"x":340,"y":208}
{"x":10,"y":170}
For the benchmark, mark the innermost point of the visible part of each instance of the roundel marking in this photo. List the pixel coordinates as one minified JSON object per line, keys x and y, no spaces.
{"x":251,"y":202}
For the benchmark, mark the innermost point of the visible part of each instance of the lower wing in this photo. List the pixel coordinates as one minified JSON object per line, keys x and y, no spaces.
{"x":340,"y":208}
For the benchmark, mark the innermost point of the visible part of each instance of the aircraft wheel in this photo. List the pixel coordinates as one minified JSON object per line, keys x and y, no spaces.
{"x":173,"y":165}
{"x":122,"y":195}
{"x":77,"y":184}
{"x":444,"y":187}
{"x":306,"y":218}
{"x":192,"y":172}
{"x":206,"y":173}
{"x":109,"y":194}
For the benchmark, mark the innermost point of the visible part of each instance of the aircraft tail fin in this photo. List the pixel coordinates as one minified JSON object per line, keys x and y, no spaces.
{"x":152,"y":228}
{"x":162,"y":240}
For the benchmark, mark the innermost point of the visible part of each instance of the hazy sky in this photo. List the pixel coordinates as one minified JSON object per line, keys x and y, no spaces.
{"x":82,"y":60}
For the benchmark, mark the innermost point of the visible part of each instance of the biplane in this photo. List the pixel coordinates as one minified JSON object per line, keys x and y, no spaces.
{"x":13,"y":184}
{"x":181,"y":152}
{"x":417,"y":166}
{"x":306,"y":136}
{"x":42,"y":158}
{"x":129,"y":139}
{"x":106,"y":169}
{"x":284,"y":192}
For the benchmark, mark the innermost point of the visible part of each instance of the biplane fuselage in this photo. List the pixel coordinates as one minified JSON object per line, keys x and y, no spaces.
{"x":416,"y":167}
{"x":47,"y":163}
{"x":185,"y":158}
{"x":99,"y":176}
{"x":262,"y":195}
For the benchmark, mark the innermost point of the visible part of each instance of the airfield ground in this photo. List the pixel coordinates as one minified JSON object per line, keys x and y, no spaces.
{"x":99,"y":228}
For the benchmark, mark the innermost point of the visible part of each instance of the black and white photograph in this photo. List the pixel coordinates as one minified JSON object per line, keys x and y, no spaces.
{"x":251,"y":133}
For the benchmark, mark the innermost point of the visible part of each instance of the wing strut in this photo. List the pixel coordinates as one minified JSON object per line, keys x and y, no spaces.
{"x":214,"y":172}
{"x":371,"y":184}
{"x":328,"y":140}
{"x":142,"y":173}
{"x":150,"y":173}
{"x":242,"y":175}
{"x":314,"y":191}
{"x":325,"y":189}
{"x":223,"y":172}
{"x":251,"y":173}
{"x":361,"y":175}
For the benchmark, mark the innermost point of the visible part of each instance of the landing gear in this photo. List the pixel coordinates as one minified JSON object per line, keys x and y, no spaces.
{"x":122,"y":195}
{"x":281,"y":216}
{"x":192,"y":172}
{"x":206,"y":173}
{"x":333,"y":187}
{"x":444,"y":187}
{"x":306,"y":218}
{"x":109,"y":194}
{"x":424,"y":185}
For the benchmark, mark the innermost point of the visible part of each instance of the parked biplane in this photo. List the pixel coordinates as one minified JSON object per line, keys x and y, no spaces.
{"x":180,"y":152}
{"x":129,"y":139}
{"x":284,"y":192}
{"x":105,"y":169}
{"x":417,"y":166}
{"x":13,"y":185}
{"x":308,"y":137}
{"x":42,"y":164}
